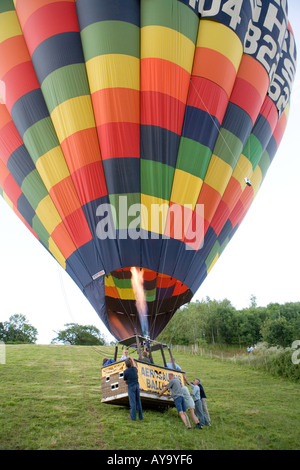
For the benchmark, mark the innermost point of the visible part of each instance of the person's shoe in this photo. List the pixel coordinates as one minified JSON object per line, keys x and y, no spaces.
{"x":198,"y":426}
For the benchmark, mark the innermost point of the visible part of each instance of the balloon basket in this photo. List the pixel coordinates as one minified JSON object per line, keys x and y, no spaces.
{"x":151,"y":375}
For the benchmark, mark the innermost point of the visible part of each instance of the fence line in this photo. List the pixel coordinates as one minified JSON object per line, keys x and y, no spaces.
{"x":196,"y":350}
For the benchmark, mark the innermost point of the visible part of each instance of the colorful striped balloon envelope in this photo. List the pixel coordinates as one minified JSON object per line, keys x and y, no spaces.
{"x":137,"y":133}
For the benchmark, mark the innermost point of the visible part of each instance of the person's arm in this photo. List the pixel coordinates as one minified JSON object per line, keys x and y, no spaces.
{"x":133,"y":362}
{"x":186,"y":380}
{"x":163,"y":390}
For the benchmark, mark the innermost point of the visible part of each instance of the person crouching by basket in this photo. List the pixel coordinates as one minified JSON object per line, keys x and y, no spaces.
{"x":175,"y":386}
{"x":198,"y":404}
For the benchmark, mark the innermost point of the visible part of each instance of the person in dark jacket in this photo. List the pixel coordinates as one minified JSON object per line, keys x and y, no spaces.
{"x":131,"y":378}
{"x":203,"y":400}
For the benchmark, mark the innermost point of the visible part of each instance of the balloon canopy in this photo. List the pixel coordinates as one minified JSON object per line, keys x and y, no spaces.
{"x":136,"y":133}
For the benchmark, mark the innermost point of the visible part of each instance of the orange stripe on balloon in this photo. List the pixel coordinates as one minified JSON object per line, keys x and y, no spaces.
{"x":179,"y":288}
{"x":210,"y":198}
{"x":111,"y":292}
{"x":62,"y":239}
{"x":116,"y":105}
{"x":149,"y":275}
{"x":12,"y":52}
{"x":81,"y":148}
{"x":64,"y":197}
{"x":165,"y":282}
{"x":164,"y":77}
{"x":10,"y":140}
{"x":214,"y":66}
{"x":253,"y":72}
{"x":4,"y":173}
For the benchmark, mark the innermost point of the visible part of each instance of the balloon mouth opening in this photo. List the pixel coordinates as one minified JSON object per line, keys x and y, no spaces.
{"x":142,"y":301}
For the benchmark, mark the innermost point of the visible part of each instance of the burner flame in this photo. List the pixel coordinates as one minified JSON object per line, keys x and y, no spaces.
{"x":137,"y":282}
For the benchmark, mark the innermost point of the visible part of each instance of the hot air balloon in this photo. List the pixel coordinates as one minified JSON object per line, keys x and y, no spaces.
{"x":136,"y":134}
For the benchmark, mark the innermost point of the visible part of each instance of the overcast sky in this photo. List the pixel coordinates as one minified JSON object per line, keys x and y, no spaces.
{"x":262,"y":259}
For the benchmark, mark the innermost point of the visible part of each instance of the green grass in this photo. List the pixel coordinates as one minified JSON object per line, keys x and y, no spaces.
{"x":51,"y":399}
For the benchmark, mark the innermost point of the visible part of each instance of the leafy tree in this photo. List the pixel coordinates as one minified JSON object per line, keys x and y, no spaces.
{"x":250,"y":322}
{"x":277,"y":332}
{"x":18,"y":330}
{"x":76,"y":334}
{"x":218,"y":322}
{"x":253,"y":301}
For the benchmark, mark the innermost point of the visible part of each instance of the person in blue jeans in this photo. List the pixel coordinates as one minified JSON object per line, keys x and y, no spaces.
{"x":174,"y":386}
{"x":131,"y":378}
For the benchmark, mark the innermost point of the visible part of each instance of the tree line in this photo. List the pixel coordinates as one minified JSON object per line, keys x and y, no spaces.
{"x":19,"y":331}
{"x":206,"y":322}
{"x":210,"y":322}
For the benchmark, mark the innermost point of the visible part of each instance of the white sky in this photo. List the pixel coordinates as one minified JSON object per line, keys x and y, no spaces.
{"x":262,"y":259}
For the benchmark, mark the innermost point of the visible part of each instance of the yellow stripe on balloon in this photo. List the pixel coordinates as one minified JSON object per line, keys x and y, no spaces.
{"x":48,"y":215}
{"x":109,"y":281}
{"x":52,"y":167}
{"x":287,"y":110}
{"x":167,"y":44}
{"x":7,"y":199}
{"x":213,"y":263}
{"x":53,"y":248}
{"x":186,"y":188}
{"x":256,"y":180}
{"x":243,"y":169}
{"x":126,"y":294}
{"x":154,"y":213}
{"x":218,"y":174}
{"x":10,"y":25}
{"x":72,"y":116}
{"x":113,"y":71}
{"x":216,"y":36}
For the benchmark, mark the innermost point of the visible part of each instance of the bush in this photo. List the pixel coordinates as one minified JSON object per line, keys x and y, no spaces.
{"x":282,"y":365}
{"x":276,"y":360}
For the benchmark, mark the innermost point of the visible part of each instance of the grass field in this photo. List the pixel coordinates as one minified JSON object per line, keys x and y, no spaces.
{"x":51,"y":399}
